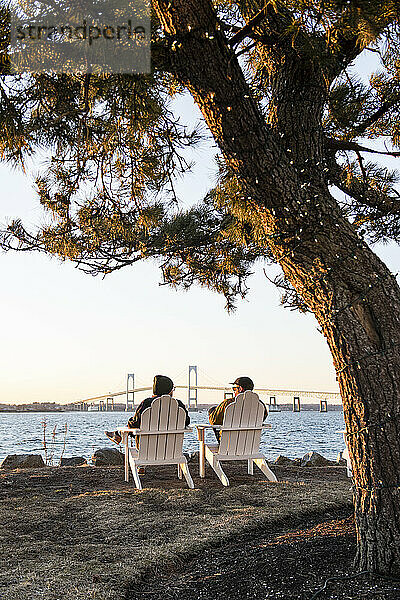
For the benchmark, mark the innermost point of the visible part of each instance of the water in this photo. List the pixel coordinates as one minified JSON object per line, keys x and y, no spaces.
{"x":292,"y":434}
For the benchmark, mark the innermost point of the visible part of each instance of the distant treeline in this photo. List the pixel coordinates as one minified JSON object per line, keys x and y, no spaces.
{"x":36,"y":407}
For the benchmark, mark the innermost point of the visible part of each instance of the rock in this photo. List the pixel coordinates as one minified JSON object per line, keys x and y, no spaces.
{"x":313,"y":459}
{"x":284,"y":461}
{"x":107,"y":457}
{"x":23,"y":461}
{"x":191,"y":456}
{"x":73,"y":461}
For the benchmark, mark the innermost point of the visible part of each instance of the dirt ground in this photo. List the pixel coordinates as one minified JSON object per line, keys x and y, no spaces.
{"x":285,"y":564}
{"x":82,"y":533}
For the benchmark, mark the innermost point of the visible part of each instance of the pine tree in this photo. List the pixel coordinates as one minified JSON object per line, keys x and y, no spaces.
{"x":300,"y":184}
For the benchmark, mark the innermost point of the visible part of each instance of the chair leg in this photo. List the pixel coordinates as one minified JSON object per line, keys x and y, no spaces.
{"x":220,"y":474}
{"x":185,"y":470}
{"x":135,"y":473}
{"x":262,"y":465}
{"x":179,"y":472}
{"x":250,"y":469}
{"x":216,"y":466}
{"x":126,"y":465}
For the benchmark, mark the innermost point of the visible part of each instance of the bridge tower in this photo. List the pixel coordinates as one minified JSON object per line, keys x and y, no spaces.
{"x":323,"y":406}
{"x":272,"y":406}
{"x":110,"y":403}
{"x":130,"y":401}
{"x":192,"y":386}
{"x":296,"y":404}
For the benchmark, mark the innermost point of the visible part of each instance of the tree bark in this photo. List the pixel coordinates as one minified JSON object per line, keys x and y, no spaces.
{"x":355,"y":298}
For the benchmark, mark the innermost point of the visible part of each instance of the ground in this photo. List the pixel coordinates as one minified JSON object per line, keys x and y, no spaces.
{"x":82,"y":533}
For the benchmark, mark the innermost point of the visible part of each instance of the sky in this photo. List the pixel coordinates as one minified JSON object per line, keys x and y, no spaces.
{"x":67,"y":336}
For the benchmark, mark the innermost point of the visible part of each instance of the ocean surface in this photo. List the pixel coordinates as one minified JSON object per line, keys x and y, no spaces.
{"x":292,"y":434}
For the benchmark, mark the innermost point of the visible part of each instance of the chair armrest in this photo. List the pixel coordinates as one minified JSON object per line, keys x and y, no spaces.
{"x":155,"y":432}
{"x":128,"y":430}
{"x":219,"y":427}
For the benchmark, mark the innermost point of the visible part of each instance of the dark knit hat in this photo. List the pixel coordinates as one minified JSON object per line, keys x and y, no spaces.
{"x":162,"y":385}
{"x":244,"y":382}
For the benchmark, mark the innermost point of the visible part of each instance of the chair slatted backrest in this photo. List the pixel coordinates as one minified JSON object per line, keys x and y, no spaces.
{"x":164,"y":414}
{"x":245,"y":415}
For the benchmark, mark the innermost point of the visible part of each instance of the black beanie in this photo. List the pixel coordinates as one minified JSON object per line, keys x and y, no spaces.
{"x":162,"y":385}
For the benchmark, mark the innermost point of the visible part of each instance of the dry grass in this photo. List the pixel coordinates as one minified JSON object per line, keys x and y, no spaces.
{"x":82,"y":533}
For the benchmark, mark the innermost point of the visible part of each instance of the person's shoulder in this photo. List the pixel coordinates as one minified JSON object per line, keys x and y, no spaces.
{"x":146,"y":402}
{"x":226,"y":402}
{"x":180,"y":403}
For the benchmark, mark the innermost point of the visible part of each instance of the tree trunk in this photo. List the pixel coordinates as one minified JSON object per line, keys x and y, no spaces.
{"x":353,"y":295}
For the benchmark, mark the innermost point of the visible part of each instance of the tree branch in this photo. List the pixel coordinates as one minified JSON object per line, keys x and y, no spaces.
{"x":386,"y":106}
{"x":336,"y":145}
{"x":361,"y":192}
{"x":249,"y":27}
{"x":362,"y":169}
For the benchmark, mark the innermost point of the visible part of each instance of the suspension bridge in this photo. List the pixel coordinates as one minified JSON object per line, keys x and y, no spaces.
{"x":107,"y":402}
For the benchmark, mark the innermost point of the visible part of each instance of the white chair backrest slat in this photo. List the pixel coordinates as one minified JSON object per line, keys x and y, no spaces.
{"x":237,"y":411}
{"x":153,"y":426}
{"x":256,"y":416}
{"x":232,"y":418}
{"x":172,"y":422}
{"x":246,"y":417}
{"x":254,"y":411}
{"x":180,"y":424}
{"x":224,"y":441}
{"x":163,"y":425}
{"x":240,"y":444}
{"x":228,"y":415}
{"x":180,"y":418}
{"x":247,"y":408}
{"x":145,"y":420}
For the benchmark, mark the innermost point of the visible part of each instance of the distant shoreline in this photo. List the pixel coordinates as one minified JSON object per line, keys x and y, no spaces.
{"x":21,"y":408}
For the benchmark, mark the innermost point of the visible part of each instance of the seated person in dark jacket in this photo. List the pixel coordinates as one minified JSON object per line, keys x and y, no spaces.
{"x":162,"y":385}
{"x":216,"y":413}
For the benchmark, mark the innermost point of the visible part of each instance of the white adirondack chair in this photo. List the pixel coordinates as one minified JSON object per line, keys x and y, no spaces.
{"x":162,"y":428}
{"x":240,"y":437}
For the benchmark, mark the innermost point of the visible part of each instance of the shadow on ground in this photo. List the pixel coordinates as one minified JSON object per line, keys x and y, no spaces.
{"x":82,"y":533}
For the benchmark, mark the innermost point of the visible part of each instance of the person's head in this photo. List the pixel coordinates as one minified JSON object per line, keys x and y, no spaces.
{"x":241,"y":384}
{"x":162,"y":385}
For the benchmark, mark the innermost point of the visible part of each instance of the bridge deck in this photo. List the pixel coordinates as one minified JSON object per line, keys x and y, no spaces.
{"x":320,"y":395}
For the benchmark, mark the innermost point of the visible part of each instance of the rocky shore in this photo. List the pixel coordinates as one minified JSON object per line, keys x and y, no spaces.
{"x":111,"y":457}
